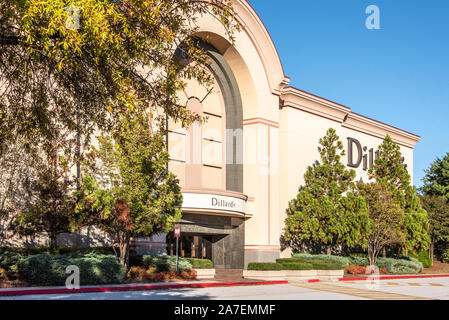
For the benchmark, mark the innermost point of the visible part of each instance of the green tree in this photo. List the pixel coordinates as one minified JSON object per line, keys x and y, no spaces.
{"x":127,"y":189}
{"x":436,"y":180}
{"x":80,"y":65}
{"x":48,"y":207}
{"x":321,"y":213}
{"x":438,"y":211}
{"x":386,"y":217}
{"x":389,"y":168}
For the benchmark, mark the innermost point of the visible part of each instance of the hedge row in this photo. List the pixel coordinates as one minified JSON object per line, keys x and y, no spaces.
{"x":165,"y":263}
{"x":200,"y":263}
{"x":342,"y":262}
{"x":294,"y":264}
{"x":46,"y":269}
{"x":396,"y":265}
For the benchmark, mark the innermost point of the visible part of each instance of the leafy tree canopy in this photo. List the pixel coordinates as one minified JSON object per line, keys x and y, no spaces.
{"x":127,"y":189}
{"x":81,"y":64}
{"x":436,"y":180}
{"x":389,"y":169}
{"x":386,"y":217}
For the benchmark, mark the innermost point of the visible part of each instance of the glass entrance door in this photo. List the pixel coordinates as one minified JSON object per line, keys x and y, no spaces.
{"x":191,"y":246}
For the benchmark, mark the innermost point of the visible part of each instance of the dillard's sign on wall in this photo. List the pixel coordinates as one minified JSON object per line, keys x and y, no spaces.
{"x":213,"y":202}
{"x":358,"y":155}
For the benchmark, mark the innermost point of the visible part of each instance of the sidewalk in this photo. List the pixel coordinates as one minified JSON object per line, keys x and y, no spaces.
{"x":391,"y":276}
{"x":130,"y":287}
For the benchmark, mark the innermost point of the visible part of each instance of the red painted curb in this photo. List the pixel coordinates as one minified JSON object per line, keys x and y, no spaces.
{"x":27,"y":292}
{"x":313,"y":280}
{"x":395,"y":277}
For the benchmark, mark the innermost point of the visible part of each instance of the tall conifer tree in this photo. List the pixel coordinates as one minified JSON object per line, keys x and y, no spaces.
{"x":325,"y":210}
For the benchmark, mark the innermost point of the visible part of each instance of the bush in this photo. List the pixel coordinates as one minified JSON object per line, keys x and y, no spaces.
{"x":45,"y":269}
{"x":343,"y":262}
{"x":354,"y":269}
{"x":402,"y":265}
{"x":358,"y":260}
{"x":200,"y":263}
{"x":325,"y":265}
{"x":445,"y":257}
{"x":165,"y":263}
{"x":264,"y":266}
{"x":297,"y":266}
{"x":289,"y":260}
{"x":424,"y":258}
{"x":9,"y":261}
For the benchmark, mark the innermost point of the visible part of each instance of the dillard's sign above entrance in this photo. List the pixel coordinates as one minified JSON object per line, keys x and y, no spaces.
{"x":358,"y":155}
{"x":213,"y":202}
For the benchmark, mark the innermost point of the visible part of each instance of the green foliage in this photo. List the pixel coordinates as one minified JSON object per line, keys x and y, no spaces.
{"x":200,"y":263}
{"x":95,"y":60}
{"x":389,"y":169}
{"x":437,"y":208}
{"x":320,"y":213}
{"x":404,"y":265}
{"x":264,"y":266}
{"x":297,"y":266}
{"x":165,"y":263}
{"x":358,"y":260}
{"x":423,"y":257}
{"x":445,"y":256}
{"x":51,"y":204}
{"x":325,"y":265}
{"x":44,"y":269}
{"x":341,"y":261}
{"x":386,"y":217}
{"x":128,"y":190}
{"x":436,"y":180}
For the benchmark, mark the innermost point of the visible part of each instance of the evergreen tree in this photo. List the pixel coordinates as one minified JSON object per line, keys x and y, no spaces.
{"x":438,"y":211}
{"x":436,"y":180}
{"x":389,"y":168}
{"x":325,"y":210}
{"x":127,"y":189}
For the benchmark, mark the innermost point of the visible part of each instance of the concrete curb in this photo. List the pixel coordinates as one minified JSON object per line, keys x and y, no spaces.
{"x":26,"y":292}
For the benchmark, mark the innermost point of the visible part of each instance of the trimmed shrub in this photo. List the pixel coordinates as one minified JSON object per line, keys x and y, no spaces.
{"x":355,"y":269}
{"x":45,"y":269}
{"x":289,"y":260}
{"x":325,"y":265}
{"x":343,"y":262}
{"x":165,"y":263}
{"x":264,"y":266}
{"x":297,"y":266}
{"x":424,"y":258}
{"x":358,"y":261}
{"x":403,"y":265}
{"x":200,"y":263}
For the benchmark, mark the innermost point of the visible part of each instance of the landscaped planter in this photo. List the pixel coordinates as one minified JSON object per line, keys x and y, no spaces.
{"x":264,"y":275}
{"x":205,"y":273}
{"x":330,"y":275}
{"x":300,"y":275}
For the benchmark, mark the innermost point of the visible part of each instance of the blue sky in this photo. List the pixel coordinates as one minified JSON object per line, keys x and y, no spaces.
{"x":398,"y":74}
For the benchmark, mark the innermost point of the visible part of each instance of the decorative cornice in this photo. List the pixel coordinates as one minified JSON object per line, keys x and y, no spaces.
{"x":307,"y":102}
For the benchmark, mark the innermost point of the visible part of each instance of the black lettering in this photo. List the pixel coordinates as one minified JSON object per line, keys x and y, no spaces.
{"x":351,"y":163}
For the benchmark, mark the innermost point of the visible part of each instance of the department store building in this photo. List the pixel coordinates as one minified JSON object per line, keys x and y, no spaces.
{"x":240,"y":168}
